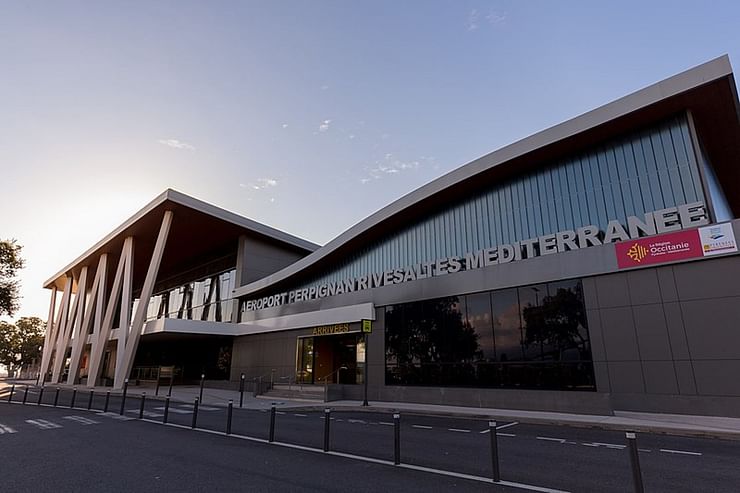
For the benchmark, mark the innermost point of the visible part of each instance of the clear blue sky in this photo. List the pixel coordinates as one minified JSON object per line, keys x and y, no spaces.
{"x":305,"y":115}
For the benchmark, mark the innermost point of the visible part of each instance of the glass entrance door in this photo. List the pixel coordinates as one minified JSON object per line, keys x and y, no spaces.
{"x":305,"y":363}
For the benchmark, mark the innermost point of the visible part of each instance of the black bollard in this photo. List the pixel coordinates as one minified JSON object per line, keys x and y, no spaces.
{"x":123,"y":396}
{"x":10,"y":397}
{"x":107,"y":399}
{"x":41,"y":395}
{"x":166,"y":409}
{"x":56,"y":397}
{"x":254,"y":389}
{"x":327,"y":423}
{"x":635,"y":462}
{"x":396,"y":438}
{"x":241,"y":391}
{"x":195,"y":413}
{"x":141,"y":406}
{"x":494,"y":452}
{"x":202,"y":381}
{"x":159,"y":374}
{"x":25,"y":395}
{"x":228,"y":417}
{"x":90,"y":399}
{"x":172,"y":379}
{"x":74,"y":396}
{"x":272,"y":424}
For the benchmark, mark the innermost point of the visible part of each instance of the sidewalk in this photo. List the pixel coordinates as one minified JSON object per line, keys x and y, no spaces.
{"x":672,"y":424}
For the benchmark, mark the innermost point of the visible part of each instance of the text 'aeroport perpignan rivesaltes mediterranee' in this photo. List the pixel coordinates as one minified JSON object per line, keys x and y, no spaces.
{"x":656,"y":222}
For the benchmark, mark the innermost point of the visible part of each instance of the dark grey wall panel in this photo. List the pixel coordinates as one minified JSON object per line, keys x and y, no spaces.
{"x":595,"y":331}
{"x":601,"y":374}
{"x":660,"y":377}
{"x":667,"y":284}
{"x":685,"y":377}
{"x":589,"y":293}
{"x":713,"y":328}
{"x":718,"y":377}
{"x":619,"y":334}
{"x":715,"y":279}
{"x":626,"y":377}
{"x":612,"y":290}
{"x":676,"y":331}
{"x":652,"y":334}
{"x":643,"y":286}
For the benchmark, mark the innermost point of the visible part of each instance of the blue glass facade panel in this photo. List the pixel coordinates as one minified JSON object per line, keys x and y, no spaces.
{"x":645,"y":171}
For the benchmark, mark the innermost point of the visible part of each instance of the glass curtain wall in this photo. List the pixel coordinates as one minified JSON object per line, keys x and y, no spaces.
{"x":529,"y":337}
{"x":207,"y":299}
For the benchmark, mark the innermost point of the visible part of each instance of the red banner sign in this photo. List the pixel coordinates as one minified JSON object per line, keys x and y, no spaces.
{"x":669,"y":247}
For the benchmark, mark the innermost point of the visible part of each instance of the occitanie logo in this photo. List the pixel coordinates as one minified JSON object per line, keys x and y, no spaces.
{"x":637,"y":252}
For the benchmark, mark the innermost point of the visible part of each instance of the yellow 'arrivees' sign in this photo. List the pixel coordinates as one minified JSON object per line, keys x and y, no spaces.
{"x":325,"y":330}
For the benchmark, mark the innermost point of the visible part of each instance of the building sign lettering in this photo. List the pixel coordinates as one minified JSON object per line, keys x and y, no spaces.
{"x":658,"y":222}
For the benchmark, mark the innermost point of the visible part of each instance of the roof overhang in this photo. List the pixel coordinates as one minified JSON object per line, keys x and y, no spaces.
{"x":198,"y":229}
{"x":708,"y":91}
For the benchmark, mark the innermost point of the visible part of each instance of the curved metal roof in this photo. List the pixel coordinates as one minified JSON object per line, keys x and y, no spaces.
{"x":639,"y":108}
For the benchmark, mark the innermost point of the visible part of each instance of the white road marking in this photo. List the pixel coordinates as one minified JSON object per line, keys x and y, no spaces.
{"x":644,"y":450}
{"x":514,"y":423}
{"x":43,"y":424}
{"x":82,"y":420}
{"x":505,"y":435}
{"x":481,"y":479}
{"x":174,"y":410}
{"x":6,"y":429}
{"x":458,"y":430}
{"x":116,"y":416}
{"x":385,"y":423}
{"x":280,"y":412}
{"x":356,"y":421}
{"x":148,"y":414}
{"x":610,"y":445}
{"x":549,"y":439}
{"x":202,"y":408}
{"x":300,"y":415}
{"x":422,"y":427}
{"x":669,"y":451}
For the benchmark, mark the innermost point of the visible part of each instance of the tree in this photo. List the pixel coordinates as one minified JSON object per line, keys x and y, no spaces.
{"x":10,"y":263}
{"x":21,"y":343}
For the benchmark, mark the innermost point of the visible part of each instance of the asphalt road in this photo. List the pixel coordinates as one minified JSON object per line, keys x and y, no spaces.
{"x":571,"y":459}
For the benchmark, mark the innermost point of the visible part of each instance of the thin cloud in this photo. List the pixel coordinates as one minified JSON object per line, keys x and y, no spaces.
{"x":495,"y":17}
{"x":260,"y":184}
{"x":473,"y":19}
{"x":324,"y":126}
{"x":284,"y":125}
{"x":390,"y":165}
{"x":177,"y":144}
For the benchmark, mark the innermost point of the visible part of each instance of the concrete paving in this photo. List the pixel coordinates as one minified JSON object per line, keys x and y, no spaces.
{"x":673,"y":424}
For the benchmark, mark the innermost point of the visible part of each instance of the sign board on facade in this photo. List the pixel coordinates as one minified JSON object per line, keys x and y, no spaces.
{"x":683,"y":245}
{"x":669,"y":220}
{"x":367,"y":326}
{"x":717,"y":239}
{"x":326,"y":330}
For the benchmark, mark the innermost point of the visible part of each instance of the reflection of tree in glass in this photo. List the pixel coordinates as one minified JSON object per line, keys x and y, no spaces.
{"x":430,"y":332}
{"x":559,"y":322}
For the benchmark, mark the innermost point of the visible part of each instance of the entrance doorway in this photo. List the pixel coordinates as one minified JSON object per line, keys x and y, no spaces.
{"x":334,"y":358}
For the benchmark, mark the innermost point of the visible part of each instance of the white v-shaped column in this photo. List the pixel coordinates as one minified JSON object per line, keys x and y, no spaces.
{"x":96,"y":303}
{"x":50,"y":341}
{"x":100,"y":341}
{"x":74,"y":319}
{"x":132,"y":341}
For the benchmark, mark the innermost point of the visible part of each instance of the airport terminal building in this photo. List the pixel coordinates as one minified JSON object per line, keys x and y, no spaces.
{"x":590,"y":267}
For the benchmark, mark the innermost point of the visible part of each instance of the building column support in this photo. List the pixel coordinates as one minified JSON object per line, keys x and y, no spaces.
{"x":241,"y":251}
{"x":48,"y":335}
{"x":132,"y":343}
{"x":73,"y":321}
{"x":61,"y":319}
{"x":100,"y":340}
{"x":79,"y":337}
